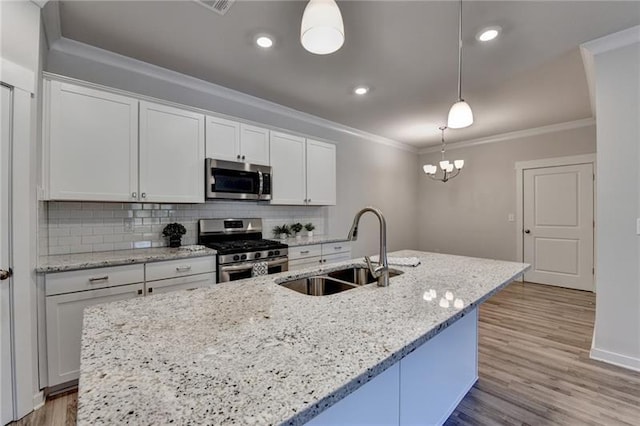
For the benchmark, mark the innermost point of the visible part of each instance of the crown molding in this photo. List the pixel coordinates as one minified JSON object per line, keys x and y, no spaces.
{"x":40,"y":3}
{"x":51,"y":22}
{"x":613,"y":41}
{"x":590,"y":72}
{"x":569,"y":125}
{"x":95,"y":54}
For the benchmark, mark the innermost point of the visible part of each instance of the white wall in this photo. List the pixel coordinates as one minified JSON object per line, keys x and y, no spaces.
{"x":617,"y":330}
{"x":468,"y":215}
{"x":368,"y":173}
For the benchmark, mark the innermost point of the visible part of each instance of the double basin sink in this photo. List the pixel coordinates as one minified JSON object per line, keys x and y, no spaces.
{"x":335,"y":281}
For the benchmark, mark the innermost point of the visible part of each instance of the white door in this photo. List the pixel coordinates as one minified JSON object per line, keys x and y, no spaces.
{"x":171,"y":154}
{"x":64,"y":314}
{"x":558,"y":225}
{"x":254,"y":145}
{"x":223,"y":139}
{"x":92,"y":144}
{"x":6,"y":363}
{"x":321,"y":173}
{"x":289,"y":176}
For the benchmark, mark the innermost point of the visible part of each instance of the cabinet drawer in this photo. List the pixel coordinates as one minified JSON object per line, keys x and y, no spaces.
{"x":333,"y":248}
{"x":300,"y":252}
{"x":92,"y":279}
{"x":182,"y":283}
{"x":294,"y":265}
{"x":335,"y":258}
{"x":180,"y":268}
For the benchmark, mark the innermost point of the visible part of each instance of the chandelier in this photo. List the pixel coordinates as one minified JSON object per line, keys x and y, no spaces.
{"x":449,"y":170}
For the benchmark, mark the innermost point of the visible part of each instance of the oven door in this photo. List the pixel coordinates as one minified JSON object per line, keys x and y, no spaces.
{"x":239,"y":271}
{"x":239,"y":181}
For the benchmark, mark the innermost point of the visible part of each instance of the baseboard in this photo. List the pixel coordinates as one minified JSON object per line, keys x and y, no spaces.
{"x":620,"y":360}
{"x":38,"y":400}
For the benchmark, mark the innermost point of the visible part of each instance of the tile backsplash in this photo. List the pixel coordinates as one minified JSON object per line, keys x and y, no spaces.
{"x":79,"y":227}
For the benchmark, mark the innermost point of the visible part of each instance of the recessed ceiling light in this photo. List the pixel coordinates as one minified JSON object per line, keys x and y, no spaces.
{"x":361,"y":90}
{"x":488,"y":34}
{"x":264,"y":42}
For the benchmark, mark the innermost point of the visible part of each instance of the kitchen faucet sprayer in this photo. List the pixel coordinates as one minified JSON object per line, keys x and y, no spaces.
{"x":380,"y":272}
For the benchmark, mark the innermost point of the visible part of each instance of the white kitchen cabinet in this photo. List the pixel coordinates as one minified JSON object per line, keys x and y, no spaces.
{"x":64,"y":314}
{"x":171,"y":154}
{"x":304,"y":171}
{"x":183,"y":283}
{"x":91,"y":143}
{"x":232,"y":141}
{"x":318,"y":254}
{"x":321,"y":173}
{"x":289,"y":175}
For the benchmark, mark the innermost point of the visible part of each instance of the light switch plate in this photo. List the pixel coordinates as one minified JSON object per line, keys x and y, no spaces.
{"x":511,"y":217}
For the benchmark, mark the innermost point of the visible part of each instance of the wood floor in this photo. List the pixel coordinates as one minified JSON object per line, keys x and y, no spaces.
{"x":534,"y":367}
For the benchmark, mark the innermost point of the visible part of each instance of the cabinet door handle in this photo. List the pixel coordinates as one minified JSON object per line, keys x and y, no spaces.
{"x":150,"y":290}
{"x":238,"y":156}
{"x":96,"y":279}
{"x":320,"y":261}
{"x":324,"y":260}
{"x":337,"y":247}
{"x":139,"y":291}
{"x":243,"y":157}
{"x":143,"y":195}
{"x":304,"y":252}
{"x":309,"y":200}
{"x":183,"y":268}
{"x":134,"y":195}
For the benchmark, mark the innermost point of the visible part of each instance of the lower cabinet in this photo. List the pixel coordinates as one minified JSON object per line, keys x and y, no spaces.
{"x":301,"y":257}
{"x":67,"y":294}
{"x":182,"y":283}
{"x":64,"y":327}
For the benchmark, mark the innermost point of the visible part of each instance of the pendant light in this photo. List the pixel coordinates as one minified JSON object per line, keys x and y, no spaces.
{"x":449,"y":170}
{"x":322,"y":29}
{"x":460,"y":114}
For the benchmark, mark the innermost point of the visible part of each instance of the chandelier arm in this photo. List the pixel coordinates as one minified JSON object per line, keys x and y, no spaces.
{"x":454,"y":175}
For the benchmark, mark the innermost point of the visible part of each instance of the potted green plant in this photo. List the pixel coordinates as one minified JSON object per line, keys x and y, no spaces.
{"x":309,"y":227}
{"x":282,"y":231}
{"x":296,"y":228}
{"x":174,"y":231}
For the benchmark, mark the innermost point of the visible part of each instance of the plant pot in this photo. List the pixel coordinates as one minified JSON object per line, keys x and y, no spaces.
{"x":309,"y":234}
{"x":175,"y":241}
{"x":283,"y":236}
{"x":298,"y":236}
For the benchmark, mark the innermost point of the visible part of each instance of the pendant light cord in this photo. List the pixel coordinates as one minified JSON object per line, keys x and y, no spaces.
{"x":442,"y":129}
{"x":460,"y":53}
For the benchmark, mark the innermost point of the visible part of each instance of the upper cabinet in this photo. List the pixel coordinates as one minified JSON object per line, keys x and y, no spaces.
{"x":321,"y":173}
{"x":232,"y":141}
{"x":92,"y":139}
{"x":304,"y":171}
{"x":171,"y":154}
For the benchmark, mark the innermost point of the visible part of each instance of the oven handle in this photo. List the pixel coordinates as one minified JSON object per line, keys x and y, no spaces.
{"x":261,"y":183}
{"x":244,"y":266}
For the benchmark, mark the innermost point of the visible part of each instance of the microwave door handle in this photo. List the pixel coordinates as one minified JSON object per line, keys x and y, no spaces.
{"x":260,"y":184}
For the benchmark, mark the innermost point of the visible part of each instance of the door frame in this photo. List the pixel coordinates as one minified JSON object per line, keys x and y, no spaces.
{"x":520,"y":167}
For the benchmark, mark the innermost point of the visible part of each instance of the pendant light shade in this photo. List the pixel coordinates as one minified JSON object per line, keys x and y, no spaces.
{"x":322,"y":29}
{"x":460,"y":115}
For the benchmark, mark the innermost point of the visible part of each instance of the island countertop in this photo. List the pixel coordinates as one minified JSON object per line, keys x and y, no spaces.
{"x":253,"y":352}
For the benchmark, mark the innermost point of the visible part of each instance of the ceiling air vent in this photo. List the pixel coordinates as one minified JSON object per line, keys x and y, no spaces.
{"x":221,"y":7}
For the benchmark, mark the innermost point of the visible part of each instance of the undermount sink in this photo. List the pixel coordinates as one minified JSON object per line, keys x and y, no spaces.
{"x":334,"y":282}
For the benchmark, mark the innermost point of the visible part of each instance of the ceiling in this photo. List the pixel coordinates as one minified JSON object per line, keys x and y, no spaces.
{"x":531,"y":76}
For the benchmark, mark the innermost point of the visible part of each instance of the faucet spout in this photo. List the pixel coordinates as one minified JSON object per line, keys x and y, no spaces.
{"x":381,"y":272}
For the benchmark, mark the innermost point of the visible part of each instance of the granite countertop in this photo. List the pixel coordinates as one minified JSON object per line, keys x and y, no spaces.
{"x":316,"y":239}
{"x":70,"y":262}
{"x":253,"y":352}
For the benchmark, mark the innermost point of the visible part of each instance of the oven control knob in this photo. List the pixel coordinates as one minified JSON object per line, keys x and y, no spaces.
{"x":243,"y":257}
{"x":277,"y":252}
{"x":270,"y":253}
{"x":258,"y":255}
{"x":236,"y":257}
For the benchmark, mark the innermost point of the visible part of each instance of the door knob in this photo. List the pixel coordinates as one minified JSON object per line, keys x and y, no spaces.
{"x":4,"y":274}
{"x":527,"y":231}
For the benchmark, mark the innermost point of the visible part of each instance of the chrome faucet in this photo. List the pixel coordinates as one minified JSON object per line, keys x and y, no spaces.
{"x":381,"y":272}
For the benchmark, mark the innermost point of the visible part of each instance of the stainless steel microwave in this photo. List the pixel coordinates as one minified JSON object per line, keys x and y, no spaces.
{"x":237,"y":181}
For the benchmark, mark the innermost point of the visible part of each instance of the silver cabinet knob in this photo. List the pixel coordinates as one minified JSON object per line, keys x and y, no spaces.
{"x":5,"y":274}
{"x":143,"y":195}
{"x":134,"y":195}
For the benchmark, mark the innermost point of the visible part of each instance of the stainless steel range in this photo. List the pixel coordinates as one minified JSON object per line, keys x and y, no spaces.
{"x":240,"y":246}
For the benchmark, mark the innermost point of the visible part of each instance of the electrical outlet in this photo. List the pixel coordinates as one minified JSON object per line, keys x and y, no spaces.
{"x":511,"y":217}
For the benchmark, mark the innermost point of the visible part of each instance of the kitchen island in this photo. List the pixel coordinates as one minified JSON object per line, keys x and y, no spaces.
{"x":254,"y":352}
